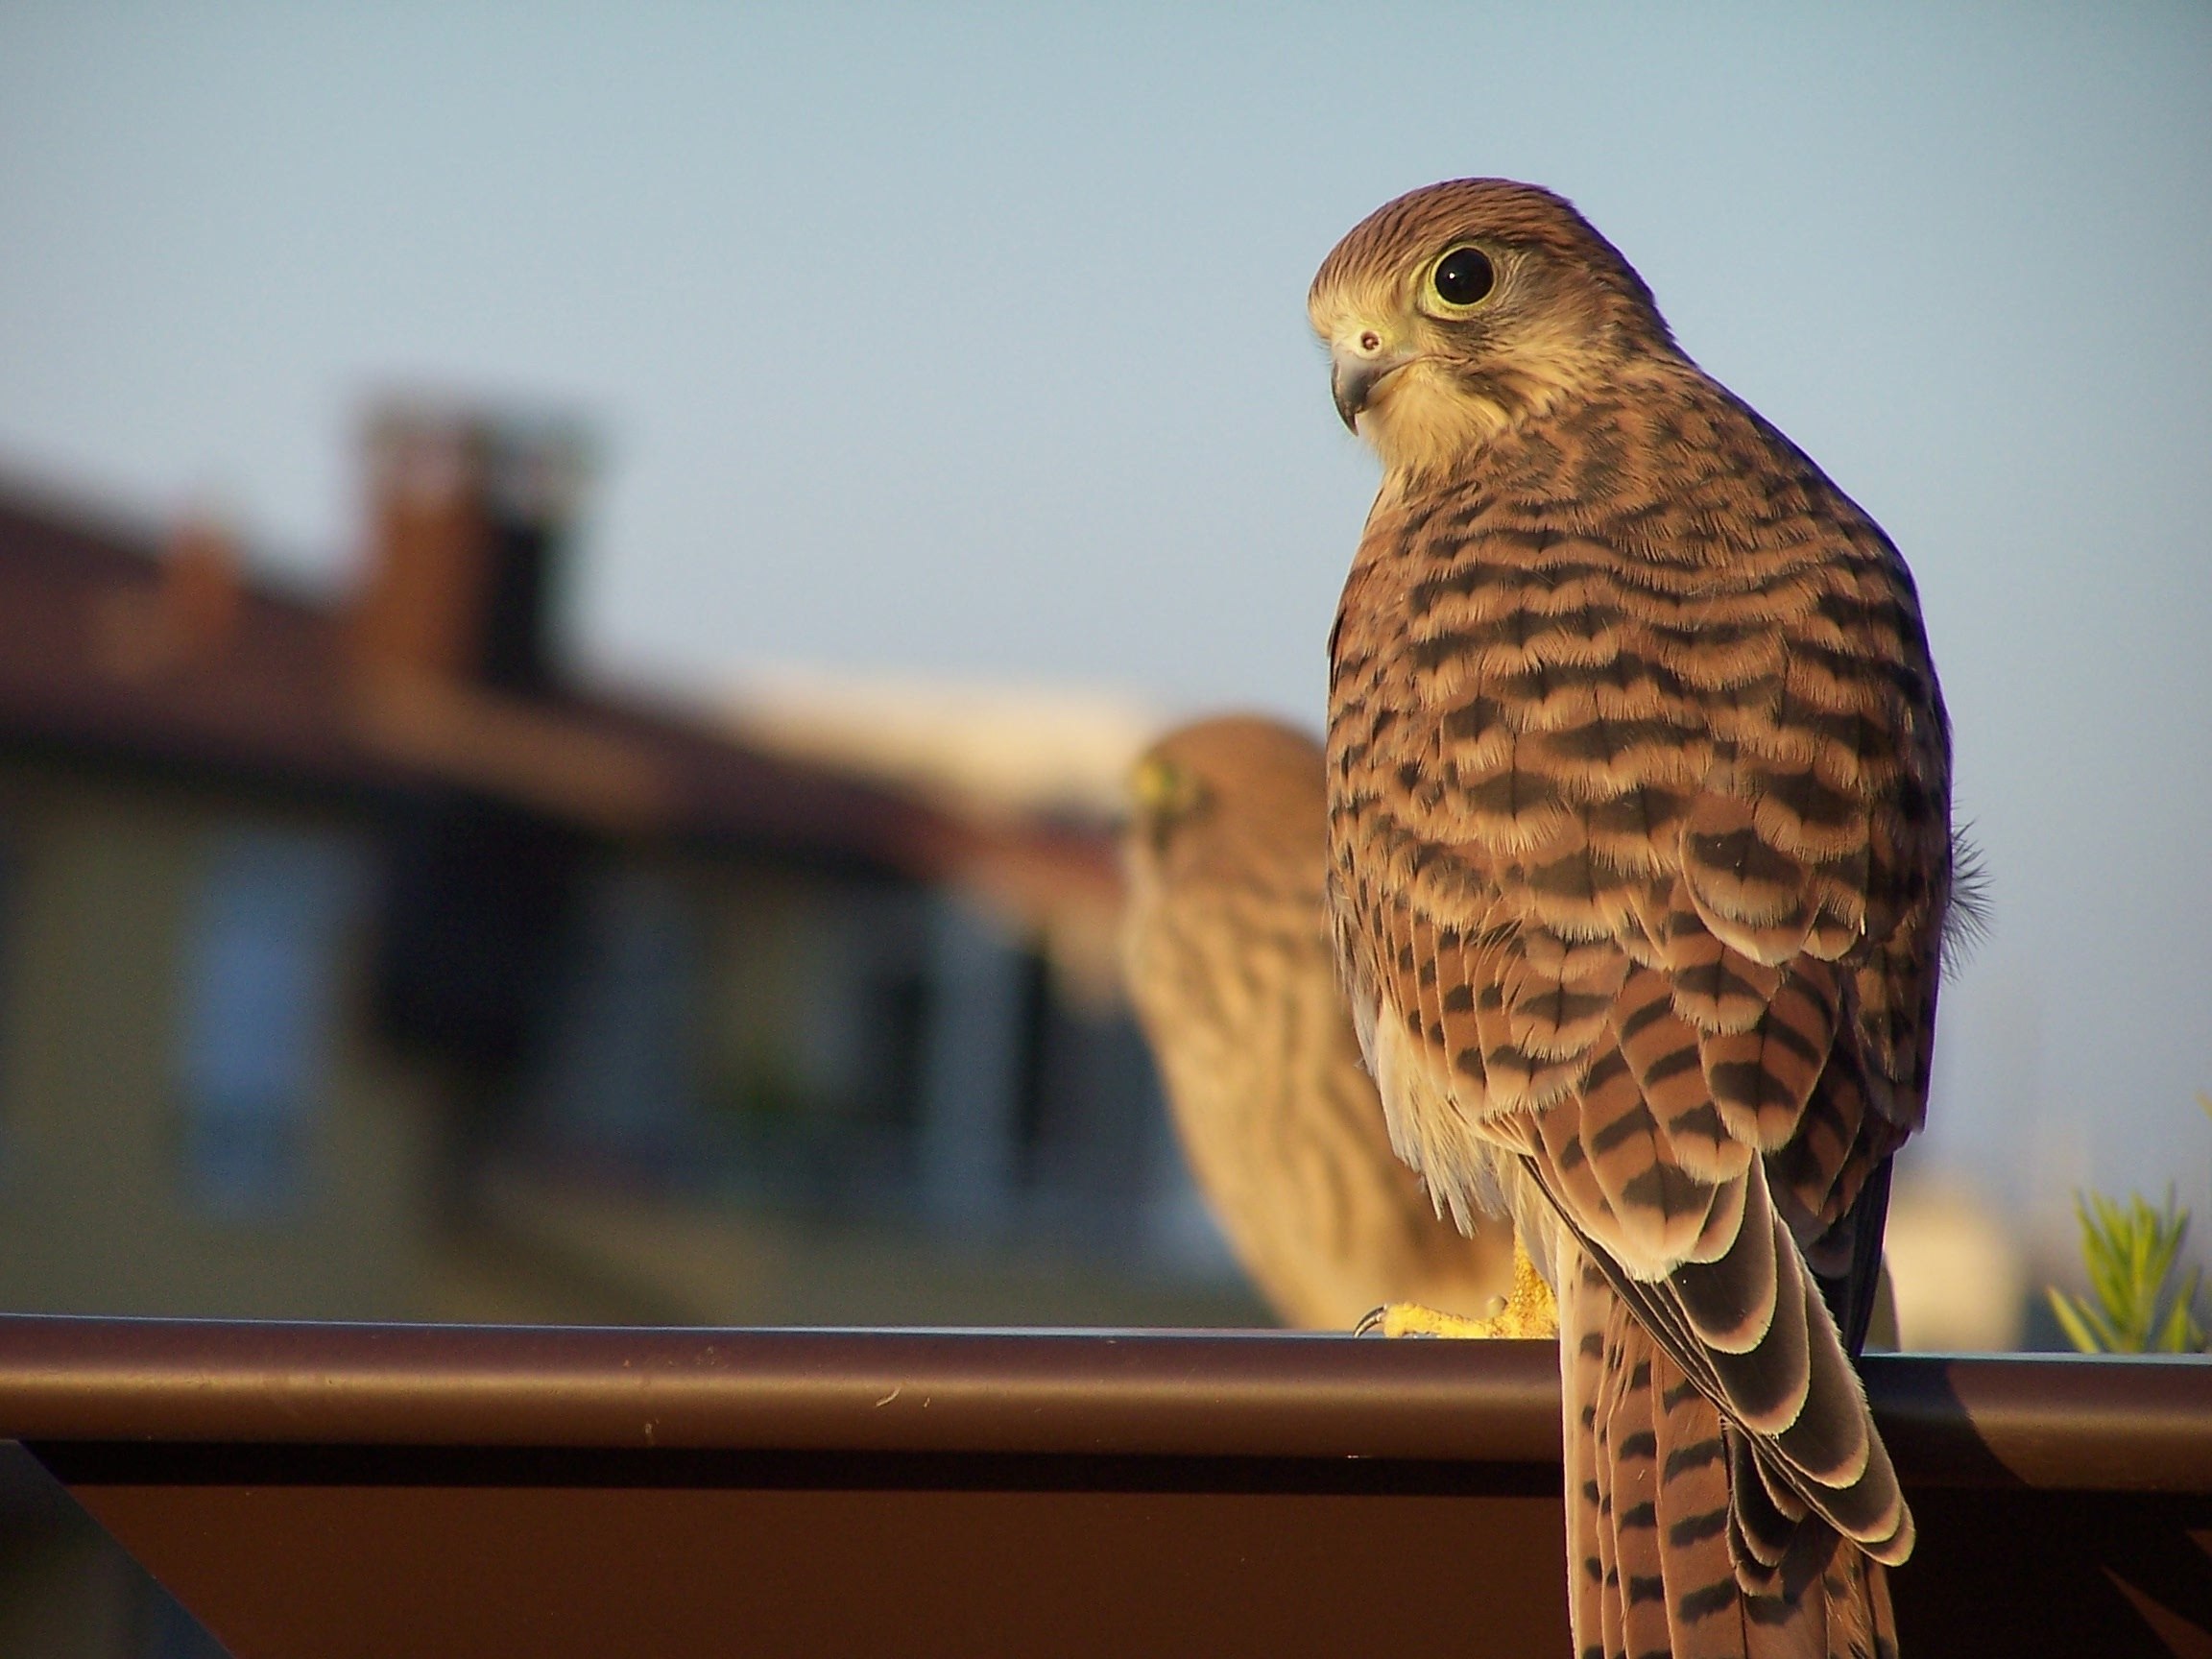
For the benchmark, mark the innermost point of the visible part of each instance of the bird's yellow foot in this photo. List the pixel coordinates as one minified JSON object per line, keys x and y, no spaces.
{"x":1529,"y":1311}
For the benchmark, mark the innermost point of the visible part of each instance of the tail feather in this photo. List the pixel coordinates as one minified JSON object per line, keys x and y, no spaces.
{"x":1787,"y":1384}
{"x":1680,"y":1541}
{"x":1583,"y":1355}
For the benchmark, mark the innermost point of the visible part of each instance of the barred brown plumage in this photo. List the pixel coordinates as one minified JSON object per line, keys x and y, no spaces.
{"x":1640,"y":856}
{"x":1230,"y":968}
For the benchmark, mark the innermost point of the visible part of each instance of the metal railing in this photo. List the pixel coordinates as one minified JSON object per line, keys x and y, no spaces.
{"x":342,"y":1489}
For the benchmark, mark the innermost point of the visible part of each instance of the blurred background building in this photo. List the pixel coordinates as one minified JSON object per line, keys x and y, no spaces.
{"x":362,"y":964}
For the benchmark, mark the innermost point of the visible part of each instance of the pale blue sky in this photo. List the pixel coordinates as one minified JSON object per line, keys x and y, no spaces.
{"x":972,"y":340}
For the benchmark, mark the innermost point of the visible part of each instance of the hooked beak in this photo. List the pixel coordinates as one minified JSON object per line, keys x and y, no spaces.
{"x":1357,"y":365}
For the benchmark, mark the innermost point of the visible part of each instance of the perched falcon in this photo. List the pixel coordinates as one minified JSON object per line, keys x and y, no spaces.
{"x":1639,"y":832}
{"x":1227,"y":953}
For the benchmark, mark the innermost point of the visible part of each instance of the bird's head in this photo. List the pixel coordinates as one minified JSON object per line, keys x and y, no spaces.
{"x":1238,"y":787}
{"x":1458,"y":309}
{"x":1163,"y":792}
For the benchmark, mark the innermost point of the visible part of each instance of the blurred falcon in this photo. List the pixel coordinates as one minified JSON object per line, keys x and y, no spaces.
{"x":1226,"y":949}
{"x":1639,"y":809}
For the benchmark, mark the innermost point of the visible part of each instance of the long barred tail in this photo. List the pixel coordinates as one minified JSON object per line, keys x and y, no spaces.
{"x":1650,"y":1468}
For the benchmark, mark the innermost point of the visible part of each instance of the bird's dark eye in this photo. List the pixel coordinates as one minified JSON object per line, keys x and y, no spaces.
{"x":1463,"y":276}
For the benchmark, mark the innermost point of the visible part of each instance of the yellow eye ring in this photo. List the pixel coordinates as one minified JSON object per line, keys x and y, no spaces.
{"x":1462,"y":278}
{"x":1161,"y":789}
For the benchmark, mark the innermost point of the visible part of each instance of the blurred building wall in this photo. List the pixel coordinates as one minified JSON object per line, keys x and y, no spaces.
{"x":130,"y":1188}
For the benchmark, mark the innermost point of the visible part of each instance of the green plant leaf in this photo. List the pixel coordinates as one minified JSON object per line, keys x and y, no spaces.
{"x":2180,"y":1332}
{"x":2076,"y":1319}
{"x":2131,"y":1252}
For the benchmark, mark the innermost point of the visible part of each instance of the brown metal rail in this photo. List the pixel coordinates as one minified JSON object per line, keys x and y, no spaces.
{"x":336,"y":1490}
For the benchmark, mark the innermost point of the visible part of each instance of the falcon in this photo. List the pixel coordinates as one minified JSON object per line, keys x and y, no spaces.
{"x":1639,"y":814}
{"x":1227,"y":954}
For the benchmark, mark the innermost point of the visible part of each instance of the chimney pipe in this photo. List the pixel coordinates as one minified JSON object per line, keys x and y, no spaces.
{"x":468,"y":513}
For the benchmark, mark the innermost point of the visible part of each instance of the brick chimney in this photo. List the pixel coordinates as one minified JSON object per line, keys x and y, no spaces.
{"x":452,"y":634}
{"x":468,"y":513}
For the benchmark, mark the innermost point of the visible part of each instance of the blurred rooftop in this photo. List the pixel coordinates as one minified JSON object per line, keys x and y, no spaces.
{"x":160,"y":644}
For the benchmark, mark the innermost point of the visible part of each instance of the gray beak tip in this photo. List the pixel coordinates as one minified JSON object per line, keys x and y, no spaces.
{"x":1352,"y":384}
